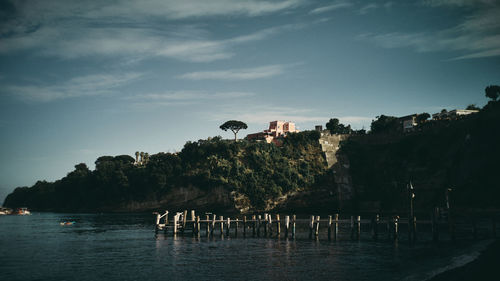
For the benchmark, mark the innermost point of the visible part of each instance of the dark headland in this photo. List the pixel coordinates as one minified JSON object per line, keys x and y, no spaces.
{"x":364,"y":172}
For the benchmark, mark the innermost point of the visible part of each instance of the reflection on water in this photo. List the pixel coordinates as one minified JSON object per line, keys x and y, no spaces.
{"x":124,"y":247}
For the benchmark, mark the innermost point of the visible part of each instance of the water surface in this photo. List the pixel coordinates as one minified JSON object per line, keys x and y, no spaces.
{"x":125,"y":247}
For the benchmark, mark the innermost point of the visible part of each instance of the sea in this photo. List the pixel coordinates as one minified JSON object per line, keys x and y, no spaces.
{"x":125,"y":247}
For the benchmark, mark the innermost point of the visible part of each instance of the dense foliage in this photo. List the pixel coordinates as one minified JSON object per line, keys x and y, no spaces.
{"x":492,"y":92}
{"x":259,"y":170}
{"x":384,"y":124}
{"x":335,"y":127}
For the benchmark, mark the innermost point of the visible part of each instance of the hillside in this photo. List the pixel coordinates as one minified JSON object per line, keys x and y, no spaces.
{"x":459,"y":154}
{"x":210,"y":175}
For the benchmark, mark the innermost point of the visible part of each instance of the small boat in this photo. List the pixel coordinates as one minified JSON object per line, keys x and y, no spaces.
{"x":67,"y":223}
{"x":22,"y":211}
{"x":5,"y":211}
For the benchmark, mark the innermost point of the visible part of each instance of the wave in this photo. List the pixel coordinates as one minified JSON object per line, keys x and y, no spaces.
{"x":459,"y":258}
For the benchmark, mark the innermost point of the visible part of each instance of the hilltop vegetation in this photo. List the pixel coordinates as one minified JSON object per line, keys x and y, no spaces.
{"x":461,"y":154}
{"x":257,"y":170}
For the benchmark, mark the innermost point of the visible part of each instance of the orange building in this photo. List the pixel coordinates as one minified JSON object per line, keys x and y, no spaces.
{"x":276,"y":130}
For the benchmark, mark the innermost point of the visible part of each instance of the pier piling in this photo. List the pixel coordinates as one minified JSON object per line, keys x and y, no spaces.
{"x":395,"y":227}
{"x":358,"y":228}
{"x":244,"y":226}
{"x":316,"y":232}
{"x":236,"y":228}
{"x":336,"y":227}
{"x":253,"y":225}
{"x":330,"y":228}
{"x":278,"y":225}
{"x":287,"y":225}
{"x":221,"y":220}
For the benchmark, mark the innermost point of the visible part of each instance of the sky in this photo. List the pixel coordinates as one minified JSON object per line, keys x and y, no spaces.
{"x":82,"y":79}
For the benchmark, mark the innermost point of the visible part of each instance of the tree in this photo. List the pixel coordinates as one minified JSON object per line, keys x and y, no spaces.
{"x":492,"y":92}
{"x":384,"y":124}
{"x":233,"y":125}
{"x":422,"y":117}
{"x":336,"y":127}
{"x":472,"y":107}
{"x":137,"y":157}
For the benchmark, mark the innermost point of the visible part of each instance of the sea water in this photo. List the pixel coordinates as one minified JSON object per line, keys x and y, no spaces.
{"x":125,"y":247}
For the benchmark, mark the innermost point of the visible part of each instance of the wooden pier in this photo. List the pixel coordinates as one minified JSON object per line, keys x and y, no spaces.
{"x":331,"y":227}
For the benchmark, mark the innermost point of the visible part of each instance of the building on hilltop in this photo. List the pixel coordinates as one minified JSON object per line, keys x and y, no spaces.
{"x":277,"y":129}
{"x":453,"y":114}
{"x":409,"y":122}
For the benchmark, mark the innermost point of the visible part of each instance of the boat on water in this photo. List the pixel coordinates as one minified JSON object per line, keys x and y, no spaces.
{"x":22,"y":212}
{"x":67,"y":223}
{"x":5,"y":211}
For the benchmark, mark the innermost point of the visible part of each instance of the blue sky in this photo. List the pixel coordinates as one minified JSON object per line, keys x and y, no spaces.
{"x":82,"y":79}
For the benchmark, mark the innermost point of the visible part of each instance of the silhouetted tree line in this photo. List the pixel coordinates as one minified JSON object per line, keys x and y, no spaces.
{"x":259,"y":170}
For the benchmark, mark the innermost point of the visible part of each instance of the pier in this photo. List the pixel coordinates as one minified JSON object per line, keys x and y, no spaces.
{"x":331,"y":227}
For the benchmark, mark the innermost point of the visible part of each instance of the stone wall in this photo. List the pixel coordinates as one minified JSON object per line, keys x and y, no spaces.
{"x":338,"y":162}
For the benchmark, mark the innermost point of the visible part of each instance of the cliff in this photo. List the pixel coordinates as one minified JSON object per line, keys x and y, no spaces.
{"x":460,"y":154}
{"x":312,"y":171}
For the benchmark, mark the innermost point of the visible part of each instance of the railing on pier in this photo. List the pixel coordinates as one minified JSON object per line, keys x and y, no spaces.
{"x":264,"y":225}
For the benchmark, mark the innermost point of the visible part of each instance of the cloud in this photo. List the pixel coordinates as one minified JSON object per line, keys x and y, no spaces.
{"x":69,"y":43}
{"x":477,"y":36}
{"x":90,"y":85}
{"x":337,"y":5}
{"x":459,"y":3}
{"x":174,"y":9}
{"x":191,"y":95}
{"x":354,"y":119}
{"x":34,"y":11}
{"x":137,"y":30}
{"x":367,"y":8}
{"x":184,"y":43}
{"x":182,"y":98}
{"x":236,"y":74}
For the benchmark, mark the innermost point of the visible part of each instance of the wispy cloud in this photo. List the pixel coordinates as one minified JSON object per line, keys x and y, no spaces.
{"x":355,"y":120}
{"x":236,"y":74}
{"x":174,"y":9}
{"x":90,"y":85}
{"x":335,"y":6}
{"x":459,"y":3}
{"x":68,"y":29}
{"x":132,"y":11}
{"x":477,"y":36}
{"x":182,"y":98}
{"x":192,"y":44}
{"x":367,"y":8}
{"x":191,"y":95}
